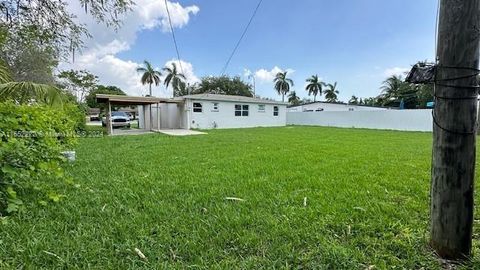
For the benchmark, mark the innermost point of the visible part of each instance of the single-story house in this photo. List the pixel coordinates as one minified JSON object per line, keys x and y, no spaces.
{"x":202,"y":111}
{"x":320,"y":106}
{"x":205,"y":111}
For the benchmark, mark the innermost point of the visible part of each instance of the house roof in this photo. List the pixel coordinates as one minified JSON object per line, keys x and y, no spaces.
{"x":230,"y":98}
{"x":130,"y":100}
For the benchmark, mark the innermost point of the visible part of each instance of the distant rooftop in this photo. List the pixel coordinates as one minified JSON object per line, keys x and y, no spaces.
{"x":217,"y":97}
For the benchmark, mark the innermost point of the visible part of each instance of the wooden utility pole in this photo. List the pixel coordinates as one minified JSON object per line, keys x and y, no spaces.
{"x":454,"y":130}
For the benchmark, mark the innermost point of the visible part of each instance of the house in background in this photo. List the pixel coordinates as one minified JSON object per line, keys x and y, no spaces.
{"x":202,"y":111}
{"x":320,"y":106}
{"x":206,"y":111}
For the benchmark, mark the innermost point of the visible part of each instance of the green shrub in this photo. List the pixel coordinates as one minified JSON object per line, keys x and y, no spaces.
{"x":32,"y":138}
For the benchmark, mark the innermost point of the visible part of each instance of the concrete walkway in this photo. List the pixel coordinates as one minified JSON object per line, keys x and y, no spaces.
{"x":122,"y":132}
{"x":180,"y":132}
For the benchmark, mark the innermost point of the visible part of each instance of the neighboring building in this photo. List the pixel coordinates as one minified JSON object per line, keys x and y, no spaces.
{"x":205,"y":111}
{"x":320,"y":106}
{"x":202,"y":111}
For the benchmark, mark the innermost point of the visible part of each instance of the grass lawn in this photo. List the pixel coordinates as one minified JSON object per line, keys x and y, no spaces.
{"x":367,"y":203}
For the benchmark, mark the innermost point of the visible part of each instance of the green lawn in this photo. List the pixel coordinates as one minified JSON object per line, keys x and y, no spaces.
{"x":367,"y":203}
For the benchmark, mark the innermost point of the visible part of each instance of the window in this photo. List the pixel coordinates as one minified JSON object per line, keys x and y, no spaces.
{"x":241,"y":110}
{"x":275,"y":110}
{"x":261,"y":108}
{"x":215,"y":107}
{"x":197,"y":107}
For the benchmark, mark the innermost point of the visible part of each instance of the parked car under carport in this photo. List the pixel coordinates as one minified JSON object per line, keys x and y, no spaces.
{"x":119,"y":119}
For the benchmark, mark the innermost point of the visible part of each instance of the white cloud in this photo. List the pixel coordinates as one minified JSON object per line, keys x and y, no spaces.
{"x":100,"y":54}
{"x":268,"y":75}
{"x":247,"y":72}
{"x":112,"y":70}
{"x":155,"y":14}
{"x":395,"y":71}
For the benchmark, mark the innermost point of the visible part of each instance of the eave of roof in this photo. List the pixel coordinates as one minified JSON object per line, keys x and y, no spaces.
{"x":231,"y":98}
{"x":131,"y":100}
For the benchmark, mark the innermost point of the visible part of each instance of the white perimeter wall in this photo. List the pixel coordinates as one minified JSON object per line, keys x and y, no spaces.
{"x":225,"y":117}
{"x":411,"y":120}
{"x":332,"y":107}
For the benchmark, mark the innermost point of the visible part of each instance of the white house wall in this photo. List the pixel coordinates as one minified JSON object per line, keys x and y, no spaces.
{"x":225,"y":116}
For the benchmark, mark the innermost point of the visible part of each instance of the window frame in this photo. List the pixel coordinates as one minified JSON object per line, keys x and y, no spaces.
{"x":216,"y":107}
{"x":201,"y":107}
{"x":276,"y":110}
{"x":261,"y":110}
{"x":243,"y":111}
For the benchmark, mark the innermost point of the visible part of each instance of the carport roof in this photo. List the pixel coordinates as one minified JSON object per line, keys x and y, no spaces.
{"x":131,"y":100}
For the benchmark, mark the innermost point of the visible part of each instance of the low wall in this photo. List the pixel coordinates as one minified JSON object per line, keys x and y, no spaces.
{"x":411,"y":120}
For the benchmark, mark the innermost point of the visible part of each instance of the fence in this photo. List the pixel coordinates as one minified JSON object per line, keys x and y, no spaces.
{"x":411,"y":120}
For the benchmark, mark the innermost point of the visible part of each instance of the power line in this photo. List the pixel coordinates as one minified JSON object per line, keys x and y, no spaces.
{"x":173,"y":36}
{"x":241,"y":37}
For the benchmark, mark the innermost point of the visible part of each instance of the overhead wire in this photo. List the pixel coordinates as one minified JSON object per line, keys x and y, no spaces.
{"x":173,"y":36}
{"x":240,"y":39}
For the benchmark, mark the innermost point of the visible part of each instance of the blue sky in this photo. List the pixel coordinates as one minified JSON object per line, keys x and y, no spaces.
{"x":356,"y":43}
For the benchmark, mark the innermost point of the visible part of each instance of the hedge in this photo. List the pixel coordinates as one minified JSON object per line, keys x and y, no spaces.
{"x":32,"y":138}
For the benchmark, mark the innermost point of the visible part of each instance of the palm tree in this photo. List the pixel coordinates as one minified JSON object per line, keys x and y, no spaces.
{"x":293,"y":98}
{"x":314,"y":86}
{"x":282,"y":84}
{"x":150,"y":75}
{"x":27,"y":92}
{"x":331,"y":92}
{"x":175,"y":78}
{"x":392,"y":87}
{"x":354,"y":100}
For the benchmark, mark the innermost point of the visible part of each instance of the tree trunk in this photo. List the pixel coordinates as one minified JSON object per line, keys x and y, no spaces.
{"x":283,"y":97}
{"x":453,"y":155}
{"x":150,"y":89}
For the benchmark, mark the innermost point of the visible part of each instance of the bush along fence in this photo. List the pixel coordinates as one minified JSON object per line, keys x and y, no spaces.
{"x":32,"y":138}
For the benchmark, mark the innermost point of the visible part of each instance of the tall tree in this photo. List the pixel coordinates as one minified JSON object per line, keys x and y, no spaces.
{"x":354,"y":100}
{"x":282,"y":84}
{"x":174,"y":78}
{"x":223,"y":85}
{"x":49,"y":23}
{"x":293,"y":99}
{"x":78,"y":82}
{"x":150,"y":75}
{"x":314,"y":86}
{"x":91,"y":98}
{"x":392,"y":89}
{"x":331,"y":92}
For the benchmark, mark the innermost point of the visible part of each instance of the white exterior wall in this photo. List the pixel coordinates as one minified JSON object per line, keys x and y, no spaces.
{"x":225,"y":116}
{"x":327,"y":107}
{"x":411,"y":120}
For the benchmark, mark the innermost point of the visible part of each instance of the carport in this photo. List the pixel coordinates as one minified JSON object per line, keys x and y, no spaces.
{"x":146,"y":117}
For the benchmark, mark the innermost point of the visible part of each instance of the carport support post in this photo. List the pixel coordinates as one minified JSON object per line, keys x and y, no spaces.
{"x":109,"y":118}
{"x":454,"y":129}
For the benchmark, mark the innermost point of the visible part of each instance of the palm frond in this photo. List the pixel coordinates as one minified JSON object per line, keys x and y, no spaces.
{"x":28,"y":92}
{"x":5,"y":75}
